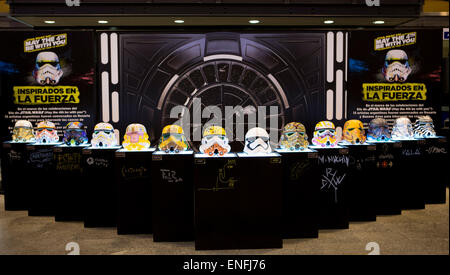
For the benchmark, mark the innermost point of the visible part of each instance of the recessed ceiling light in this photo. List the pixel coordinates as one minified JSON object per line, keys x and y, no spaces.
{"x":378,"y":22}
{"x":49,"y":22}
{"x":253,"y":21}
{"x":102,"y":22}
{"x":328,"y":22}
{"x":179,"y":21}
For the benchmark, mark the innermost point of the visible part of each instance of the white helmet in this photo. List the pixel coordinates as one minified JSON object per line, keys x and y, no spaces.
{"x":257,"y":141}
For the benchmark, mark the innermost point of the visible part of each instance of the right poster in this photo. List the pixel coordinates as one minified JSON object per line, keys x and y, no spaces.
{"x":395,"y":73}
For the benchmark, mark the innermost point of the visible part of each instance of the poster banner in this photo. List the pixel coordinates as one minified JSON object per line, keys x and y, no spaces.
{"x":395,"y":73}
{"x":47,"y":76}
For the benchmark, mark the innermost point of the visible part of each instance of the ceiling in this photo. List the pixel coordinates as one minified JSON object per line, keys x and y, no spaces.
{"x":222,"y":13}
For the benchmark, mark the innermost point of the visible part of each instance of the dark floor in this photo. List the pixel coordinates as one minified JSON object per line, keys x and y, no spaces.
{"x":414,"y":232}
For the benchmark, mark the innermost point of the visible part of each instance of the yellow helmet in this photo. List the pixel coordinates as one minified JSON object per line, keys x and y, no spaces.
{"x":353,"y":132}
{"x":294,"y":137}
{"x":136,"y":137}
{"x":173,"y":139}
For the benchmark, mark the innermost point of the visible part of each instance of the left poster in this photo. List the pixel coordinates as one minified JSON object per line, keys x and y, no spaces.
{"x":47,"y":76}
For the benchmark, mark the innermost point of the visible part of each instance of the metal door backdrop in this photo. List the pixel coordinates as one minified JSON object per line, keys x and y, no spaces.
{"x":144,"y":75}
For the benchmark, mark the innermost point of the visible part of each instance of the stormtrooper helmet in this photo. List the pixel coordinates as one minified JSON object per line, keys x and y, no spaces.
{"x":402,"y":129}
{"x":136,"y":137}
{"x":103,"y":135}
{"x":293,"y":137}
{"x":23,"y":131}
{"x":47,"y":70}
{"x":325,"y":134}
{"x":173,"y":140}
{"x":46,"y":132}
{"x":257,"y":141}
{"x":353,"y":132}
{"x":396,"y":66}
{"x":424,"y":127}
{"x":214,"y":141}
{"x":378,"y":130}
{"x":74,"y":134}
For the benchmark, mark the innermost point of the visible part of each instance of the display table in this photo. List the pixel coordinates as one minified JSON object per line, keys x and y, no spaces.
{"x":41,"y":190}
{"x":300,"y":193}
{"x":411,"y":169}
{"x":386,"y":178}
{"x":99,"y":187}
{"x":360,"y":183}
{"x":134,"y":191}
{"x":238,"y":201}
{"x":15,"y":175}
{"x":333,"y":166}
{"x":435,"y":176}
{"x":68,"y":191}
{"x":173,"y":196}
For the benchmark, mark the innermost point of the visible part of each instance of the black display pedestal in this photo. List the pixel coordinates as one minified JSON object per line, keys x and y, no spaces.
{"x":68,"y":188}
{"x":411,"y":173}
{"x":41,"y":190}
{"x":15,"y":175}
{"x":134,"y":191}
{"x":237,"y":202}
{"x":173,"y":196}
{"x":386,"y":178}
{"x":333,"y":166}
{"x":100,"y":188}
{"x":435,"y":176}
{"x":300,"y":193}
{"x":360,"y":183}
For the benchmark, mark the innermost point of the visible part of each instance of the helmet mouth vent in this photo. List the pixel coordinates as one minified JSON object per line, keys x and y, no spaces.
{"x":216,"y":151}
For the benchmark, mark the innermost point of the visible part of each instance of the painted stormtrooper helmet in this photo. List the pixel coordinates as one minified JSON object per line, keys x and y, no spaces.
{"x":214,"y":141}
{"x":74,"y":134}
{"x":396,"y":66}
{"x":294,"y":137}
{"x":325,"y":134}
{"x":46,"y":132}
{"x":257,"y":141}
{"x":424,"y":127}
{"x":353,"y":132}
{"x":173,"y":140}
{"x":136,"y":137}
{"x":47,"y":70}
{"x":23,"y":131}
{"x":378,"y":130}
{"x":103,"y":135}
{"x":402,"y":129}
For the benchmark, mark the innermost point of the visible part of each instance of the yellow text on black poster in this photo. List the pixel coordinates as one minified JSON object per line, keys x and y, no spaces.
{"x":382,"y":92}
{"x":38,"y":95}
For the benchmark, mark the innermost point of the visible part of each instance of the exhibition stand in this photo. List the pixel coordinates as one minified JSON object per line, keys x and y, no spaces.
{"x":434,"y":173}
{"x":300,"y":193}
{"x":333,"y":165}
{"x":261,"y":199}
{"x":68,"y":193}
{"x":173,"y":196}
{"x":360,"y":184}
{"x":41,"y":166}
{"x":15,"y":176}
{"x":412,"y":193}
{"x":388,"y":188}
{"x":99,"y":187}
{"x":238,"y":202}
{"x":134,"y":179}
